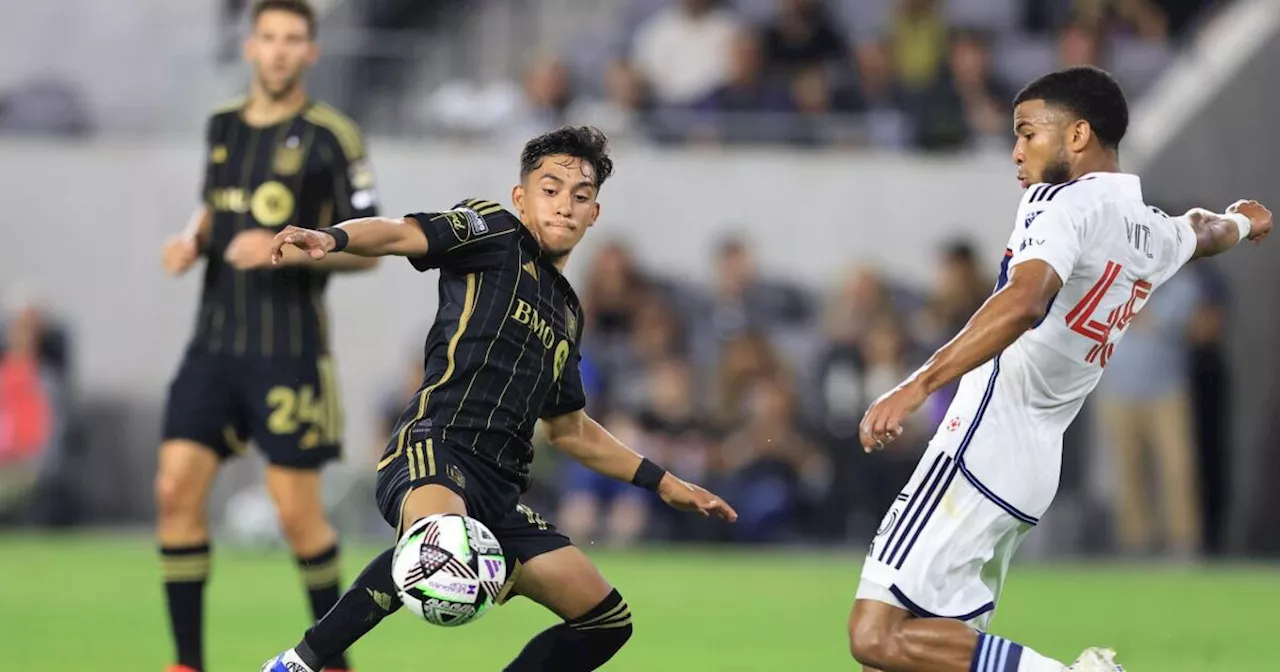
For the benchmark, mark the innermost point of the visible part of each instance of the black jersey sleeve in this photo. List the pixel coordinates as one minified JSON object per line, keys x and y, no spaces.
{"x":354,"y":189}
{"x":214,"y":154}
{"x":473,"y":236}
{"x":568,"y":394}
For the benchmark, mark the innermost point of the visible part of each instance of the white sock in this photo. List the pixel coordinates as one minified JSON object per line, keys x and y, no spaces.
{"x":997,"y":654}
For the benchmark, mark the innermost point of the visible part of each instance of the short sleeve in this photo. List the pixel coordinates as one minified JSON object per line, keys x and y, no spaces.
{"x":464,"y":238}
{"x":568,"y":395}
{"x":1183,"y":242}
{"x":1051,"y":233}
{"x":354,"y":187}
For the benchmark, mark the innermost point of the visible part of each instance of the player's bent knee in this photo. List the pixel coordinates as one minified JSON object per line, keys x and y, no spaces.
{"x":182,"y":480}
{"x":608,"y":624}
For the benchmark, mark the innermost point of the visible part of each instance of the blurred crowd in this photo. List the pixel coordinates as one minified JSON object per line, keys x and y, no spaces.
{"x":924,"y":74}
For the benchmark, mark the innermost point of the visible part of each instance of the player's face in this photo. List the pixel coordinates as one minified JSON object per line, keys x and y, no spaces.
{"x":1041,"y":149}
{"x":280,"y":50}
{"x":557,"y":202}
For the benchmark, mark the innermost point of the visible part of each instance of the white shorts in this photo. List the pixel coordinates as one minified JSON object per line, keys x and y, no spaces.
{"x":943,"y":548}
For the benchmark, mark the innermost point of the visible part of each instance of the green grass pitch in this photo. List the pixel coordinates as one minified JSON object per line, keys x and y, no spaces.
{"x":94,"y":602}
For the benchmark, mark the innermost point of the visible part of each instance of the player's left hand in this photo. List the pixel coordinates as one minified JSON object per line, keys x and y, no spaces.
{"x":249,"y":250}
{"x":685,"y":496}
{"x":316,"y":244}
{"x":883,"y":421}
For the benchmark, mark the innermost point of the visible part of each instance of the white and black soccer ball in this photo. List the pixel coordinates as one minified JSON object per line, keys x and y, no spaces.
{"x":448,"y":569}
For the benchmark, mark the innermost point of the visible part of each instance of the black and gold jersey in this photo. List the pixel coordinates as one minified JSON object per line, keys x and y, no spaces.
{"x":310,"y":170}
{"x":503,"y":351}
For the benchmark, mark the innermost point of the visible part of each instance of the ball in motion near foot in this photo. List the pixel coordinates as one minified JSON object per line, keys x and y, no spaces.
{"x":448,"y":569}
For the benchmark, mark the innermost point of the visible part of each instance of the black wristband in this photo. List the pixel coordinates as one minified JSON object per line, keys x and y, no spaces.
{"x":340,"y":237}
{"x":648,"y":476}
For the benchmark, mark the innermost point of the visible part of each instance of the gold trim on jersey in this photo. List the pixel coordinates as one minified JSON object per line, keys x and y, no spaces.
{"x":468,"y":308}
{"x":483,"y":208}
{"x":342,"y":127}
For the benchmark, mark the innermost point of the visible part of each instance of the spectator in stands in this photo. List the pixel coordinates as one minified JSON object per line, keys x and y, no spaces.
{"x":881,"y":97}
{"x":984,"y":100}
{"x":743,"y":300}
{"x":1079,"y":44}
{"x":744,"y":108}
{"x":675,"y":431}
{"x":33,"y":411}
{"x":623,"y":113}
{"x":1145,"y":410}
{"x":1143,"y":18}
{"x":1211,"y":402}
{"x":770,"y":465}
{"x":744,"y":359}
{"x":683,"y":50}
{"x":822,"y":109}
{"x":656,"y":335}
{"x":801,"y":35}
{"x":546,"y":97}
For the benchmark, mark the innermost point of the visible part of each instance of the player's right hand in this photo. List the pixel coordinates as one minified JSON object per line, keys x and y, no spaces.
{"x":179,"y":253}
{"x":1260,"y":221}
{"x":315,"y":243}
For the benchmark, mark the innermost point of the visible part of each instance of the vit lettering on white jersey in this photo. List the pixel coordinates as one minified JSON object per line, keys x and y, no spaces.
{"x":1111,"y":251}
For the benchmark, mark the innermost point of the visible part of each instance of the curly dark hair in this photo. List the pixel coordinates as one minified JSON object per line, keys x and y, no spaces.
{"x":585,"y":143}
{"x":1089,"y":93}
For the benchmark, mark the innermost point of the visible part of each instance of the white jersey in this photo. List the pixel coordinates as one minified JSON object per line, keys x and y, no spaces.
{"x":1111,"y":250}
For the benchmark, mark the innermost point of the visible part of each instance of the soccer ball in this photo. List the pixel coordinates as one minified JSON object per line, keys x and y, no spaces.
{"x":448,"y":569}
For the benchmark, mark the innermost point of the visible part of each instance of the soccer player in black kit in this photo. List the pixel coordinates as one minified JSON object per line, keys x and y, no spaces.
{"x":258,"y":364}
{"x":502,"y":355}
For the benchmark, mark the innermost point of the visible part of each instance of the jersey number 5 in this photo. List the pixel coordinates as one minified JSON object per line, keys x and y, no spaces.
{"x":1081,"y":320}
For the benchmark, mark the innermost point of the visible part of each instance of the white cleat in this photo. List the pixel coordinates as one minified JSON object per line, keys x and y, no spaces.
{"x":1096,"y":660}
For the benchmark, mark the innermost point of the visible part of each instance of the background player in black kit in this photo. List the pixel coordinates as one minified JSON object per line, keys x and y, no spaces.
{"x":502,"y":355}
{"x":258,"y":364}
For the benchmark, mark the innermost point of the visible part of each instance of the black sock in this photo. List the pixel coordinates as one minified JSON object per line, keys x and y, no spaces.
{"x":369,"y":599}
{"x":185,"y":570}
{"x":580,"y":645}
{"x":320,"y":572}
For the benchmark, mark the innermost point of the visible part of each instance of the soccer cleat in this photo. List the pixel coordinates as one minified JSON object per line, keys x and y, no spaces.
{"x":286,"y":662}
{"x":1096,"y":660}
{"x":179,"y":668}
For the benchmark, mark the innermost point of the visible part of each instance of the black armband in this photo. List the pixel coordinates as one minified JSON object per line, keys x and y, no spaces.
{"x":340,"y":237}
{"x":648,"y":476}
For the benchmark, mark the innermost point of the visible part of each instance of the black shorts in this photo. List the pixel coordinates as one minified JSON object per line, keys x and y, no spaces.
{"x":288,"y":407}
{"x":490,"y":499}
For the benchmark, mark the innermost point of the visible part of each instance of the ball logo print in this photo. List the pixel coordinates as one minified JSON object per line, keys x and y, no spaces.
{"x":438,"y":567}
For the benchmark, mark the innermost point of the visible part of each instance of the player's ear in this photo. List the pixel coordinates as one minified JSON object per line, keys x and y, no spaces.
{"x":313,"y":54}
{"x":247,"y":51}
{"x":595,"y":213}
{"x":1079,"y":134}
{"x":517,"y":198}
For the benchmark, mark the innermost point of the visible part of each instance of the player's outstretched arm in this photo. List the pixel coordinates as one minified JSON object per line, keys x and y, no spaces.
{"x":579,"y":436}
{"x":1215,"y":234}
{"x":1010,"y":312}
{"x":364,"y":237}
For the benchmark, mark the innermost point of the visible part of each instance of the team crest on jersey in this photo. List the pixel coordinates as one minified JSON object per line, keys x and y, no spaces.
{"x":571,"y":323}
{"x":455,"y":475}
{"x":288,"y":158}
{"x":561,"y":358}
{"x":218,"y":154}
{"x":361,"y":174}
{"x":1026,"y":223}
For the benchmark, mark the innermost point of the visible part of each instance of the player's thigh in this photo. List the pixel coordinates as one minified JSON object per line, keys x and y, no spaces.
{"x":294,"y":411}
{"x":943,"y":550}
{"x":563,"y":580}
{"x":202,"y":409}
{"x":416,"y":480}
{"x":871,"y":623}
{"x":185,"y":472}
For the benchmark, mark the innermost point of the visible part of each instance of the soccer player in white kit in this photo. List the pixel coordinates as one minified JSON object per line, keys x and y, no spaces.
{"x":1085,"y":255}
